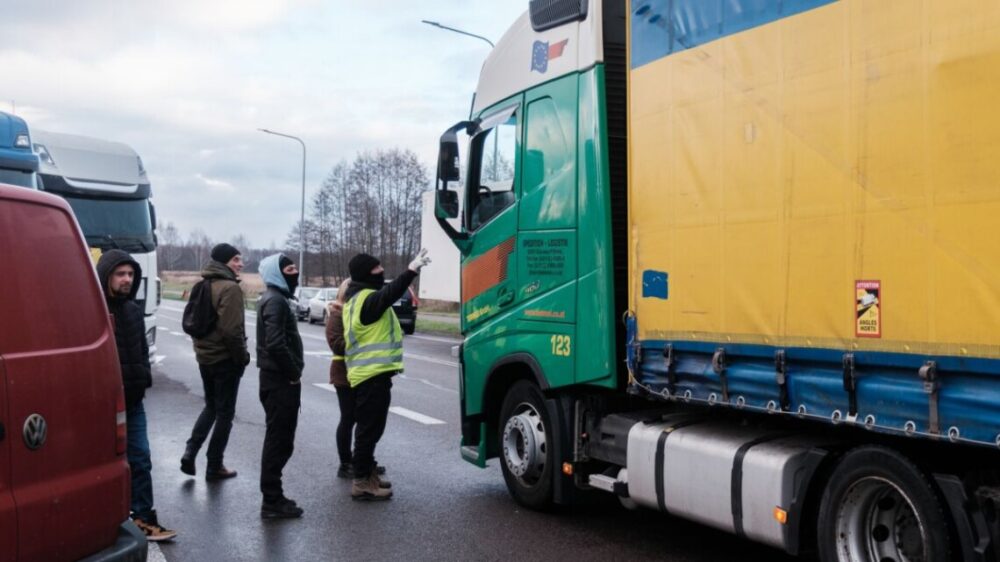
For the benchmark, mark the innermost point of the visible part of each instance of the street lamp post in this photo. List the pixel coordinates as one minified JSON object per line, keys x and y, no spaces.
{"x":436,"y":24}
{"x":495,"y":140}
{"x":302,"y":215}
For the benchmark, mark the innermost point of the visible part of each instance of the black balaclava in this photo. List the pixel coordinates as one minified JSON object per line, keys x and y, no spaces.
{"x":291,"y":280}
{"x":361,"y":267}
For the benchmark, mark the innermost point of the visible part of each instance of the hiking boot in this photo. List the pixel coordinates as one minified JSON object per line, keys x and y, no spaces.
{"x":187,"y":465}
{"x":346,"y":470}
{"x":368,"y":489}
{"x":283,"y":508}
{"x":220,"y":473}
{"x":152,"y":529}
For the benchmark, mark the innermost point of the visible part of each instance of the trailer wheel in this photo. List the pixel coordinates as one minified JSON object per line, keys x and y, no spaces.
{"x":878,"y":506}
{"x":524,"y":446}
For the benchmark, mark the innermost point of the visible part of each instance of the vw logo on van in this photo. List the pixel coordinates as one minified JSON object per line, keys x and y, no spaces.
{"x":35,"y":431}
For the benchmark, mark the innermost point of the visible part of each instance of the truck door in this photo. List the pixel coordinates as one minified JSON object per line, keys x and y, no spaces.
{"x":69,"y":481}
{"x":489,"y":281}
{"x":8,"y":514}
{"x":546,"y":294}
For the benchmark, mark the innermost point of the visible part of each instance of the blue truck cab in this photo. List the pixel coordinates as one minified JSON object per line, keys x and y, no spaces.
{"x":18,"y":164}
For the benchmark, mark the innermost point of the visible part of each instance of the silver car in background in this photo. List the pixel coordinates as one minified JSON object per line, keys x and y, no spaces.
{"x":317,"y":306}
{"x":302,"y":297}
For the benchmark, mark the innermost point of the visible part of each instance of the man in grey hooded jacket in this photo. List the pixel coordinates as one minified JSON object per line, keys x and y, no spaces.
{"x":280,"y":360}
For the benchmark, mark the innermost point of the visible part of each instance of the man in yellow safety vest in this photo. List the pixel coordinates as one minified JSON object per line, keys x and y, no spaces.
{"x":373,"y":353}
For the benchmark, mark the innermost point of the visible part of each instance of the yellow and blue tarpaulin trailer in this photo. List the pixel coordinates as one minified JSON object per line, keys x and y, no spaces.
{"x":814,"y":197}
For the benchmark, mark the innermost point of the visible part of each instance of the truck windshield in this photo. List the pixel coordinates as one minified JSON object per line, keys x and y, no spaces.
{"x":114,"y":223}
{"x":23,"y":178}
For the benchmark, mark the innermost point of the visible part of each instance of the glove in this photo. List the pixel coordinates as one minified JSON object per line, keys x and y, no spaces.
{"x":419,"y":261}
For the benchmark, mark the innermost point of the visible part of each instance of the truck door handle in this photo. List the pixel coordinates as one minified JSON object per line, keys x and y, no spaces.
{"x":505,"y":296}
{"x":3,"y":432}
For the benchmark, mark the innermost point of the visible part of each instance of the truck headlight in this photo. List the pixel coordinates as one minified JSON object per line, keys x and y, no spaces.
{"x":21,"y":141}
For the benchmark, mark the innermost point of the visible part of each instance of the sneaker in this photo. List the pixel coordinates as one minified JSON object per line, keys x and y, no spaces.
{"x":345,"y":471}
{"x":152,"y":529}
{"x":221,"y":473}
{"x":369,"y":489}
{"x":284,"y":508}
{"x":187,"y":465}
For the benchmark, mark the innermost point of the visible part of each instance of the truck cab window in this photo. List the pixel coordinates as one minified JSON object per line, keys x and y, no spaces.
{"x":491,"y":174}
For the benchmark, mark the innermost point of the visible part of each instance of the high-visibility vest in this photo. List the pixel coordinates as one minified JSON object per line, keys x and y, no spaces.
{"x":372,"y":349}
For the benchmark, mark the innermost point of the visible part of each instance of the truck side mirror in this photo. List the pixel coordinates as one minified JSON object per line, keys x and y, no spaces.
{"x":448,"y":160}
{"x":446,"y":204}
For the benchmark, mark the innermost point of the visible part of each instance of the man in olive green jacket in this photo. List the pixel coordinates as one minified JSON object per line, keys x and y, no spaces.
{"x":222,"y":356}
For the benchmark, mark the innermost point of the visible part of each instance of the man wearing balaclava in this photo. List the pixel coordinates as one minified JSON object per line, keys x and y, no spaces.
{"x":279,"y":357}
{"x":373,"y":353}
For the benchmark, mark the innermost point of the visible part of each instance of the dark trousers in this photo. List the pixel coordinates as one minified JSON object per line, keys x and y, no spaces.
{"x":371,"y":403}
{"x":281,"y":411}
{"x":346,"y":399}
{"x":221,"y":382}
{"x":139,"y":462}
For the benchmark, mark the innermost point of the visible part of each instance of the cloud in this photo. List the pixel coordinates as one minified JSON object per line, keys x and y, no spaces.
{"x":216,"y":185}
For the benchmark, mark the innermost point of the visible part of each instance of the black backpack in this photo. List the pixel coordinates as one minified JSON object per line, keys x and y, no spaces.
{"x":199,"y":314}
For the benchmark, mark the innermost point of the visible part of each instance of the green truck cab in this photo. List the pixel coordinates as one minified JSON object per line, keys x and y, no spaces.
{"x":538,"y":298}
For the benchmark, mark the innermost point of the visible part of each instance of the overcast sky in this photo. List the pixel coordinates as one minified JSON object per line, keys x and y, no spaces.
{"x":186,"y":83}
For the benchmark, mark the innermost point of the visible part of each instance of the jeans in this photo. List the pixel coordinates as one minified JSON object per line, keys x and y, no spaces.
{"x":281,"y":412}
{"x":371,"y":403}
{"x":346,"y":399}
{"x":221,"y":382}
{"x":139,"y":462}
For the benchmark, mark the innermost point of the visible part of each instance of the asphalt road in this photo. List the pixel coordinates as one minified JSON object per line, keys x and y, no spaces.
{"x":443,"y":508}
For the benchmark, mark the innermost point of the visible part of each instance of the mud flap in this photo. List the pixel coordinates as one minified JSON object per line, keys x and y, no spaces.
{"x":560,"y":413}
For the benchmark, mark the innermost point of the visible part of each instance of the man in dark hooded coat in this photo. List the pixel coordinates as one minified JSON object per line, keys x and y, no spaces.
{"x":120,"y":276}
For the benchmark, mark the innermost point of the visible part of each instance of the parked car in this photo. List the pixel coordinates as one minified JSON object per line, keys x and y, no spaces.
{"x":406,"y":310}
{"x":302,"y":297}
{"x":64,"y":479}
{"x":317,"y":305}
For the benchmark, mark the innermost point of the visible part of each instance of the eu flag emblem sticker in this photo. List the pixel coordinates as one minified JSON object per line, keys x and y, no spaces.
{"x":542,"y":52}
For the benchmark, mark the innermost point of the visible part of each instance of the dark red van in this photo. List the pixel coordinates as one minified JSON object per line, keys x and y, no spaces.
{"x":64,"y":480}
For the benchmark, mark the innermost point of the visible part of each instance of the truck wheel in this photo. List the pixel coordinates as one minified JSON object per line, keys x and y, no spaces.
{"x":524,"y":446}
{"x":879,"y":506}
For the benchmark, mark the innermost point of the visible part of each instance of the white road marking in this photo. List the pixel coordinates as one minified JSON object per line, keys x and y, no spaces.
{"x":173,"y":333}
{"x":157,"y":359}
{"x":399,"y":411}
{"x":164,"y":328}
{"x":430,"y":359}
{"x":415,"y":416}
{"x":154,"y":554}
{"x":428,"y":383}
{"x":318,"y":353}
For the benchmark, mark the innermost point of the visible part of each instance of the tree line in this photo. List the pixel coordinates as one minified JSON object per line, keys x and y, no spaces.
{"x":371,"y":205}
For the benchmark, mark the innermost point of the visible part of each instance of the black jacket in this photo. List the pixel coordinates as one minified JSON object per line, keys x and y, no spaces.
{"x":279,"y":347}
{"x":376,"y":305}
{"x":130,"y":328}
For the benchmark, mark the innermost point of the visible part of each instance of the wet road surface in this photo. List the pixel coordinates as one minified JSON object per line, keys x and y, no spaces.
{"x":443,"y":508}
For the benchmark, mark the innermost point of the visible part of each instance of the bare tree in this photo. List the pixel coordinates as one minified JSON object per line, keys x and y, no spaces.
{"x":200,"y":245}
{"x":169,"y":250}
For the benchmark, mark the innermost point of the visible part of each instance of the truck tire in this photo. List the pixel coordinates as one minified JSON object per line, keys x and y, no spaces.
{"x":525,"y":441}
{"x":879,"y":506}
